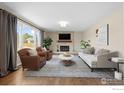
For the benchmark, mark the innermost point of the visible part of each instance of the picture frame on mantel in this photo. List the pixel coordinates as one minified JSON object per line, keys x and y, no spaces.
{"x":102,"y":35}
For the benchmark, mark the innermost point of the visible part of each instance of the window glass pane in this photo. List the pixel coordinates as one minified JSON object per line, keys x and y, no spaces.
{"x":27,"y":36}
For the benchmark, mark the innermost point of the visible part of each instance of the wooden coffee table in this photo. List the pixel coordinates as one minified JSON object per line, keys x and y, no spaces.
{"x":66,"y":60}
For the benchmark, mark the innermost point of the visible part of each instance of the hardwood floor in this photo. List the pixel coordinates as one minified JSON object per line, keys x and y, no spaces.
{"x":17,"y":78}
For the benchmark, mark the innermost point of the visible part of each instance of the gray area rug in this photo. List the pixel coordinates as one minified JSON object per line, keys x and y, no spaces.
{"x":55,"y":68}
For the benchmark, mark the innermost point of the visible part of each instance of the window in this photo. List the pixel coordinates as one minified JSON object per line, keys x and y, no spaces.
{"x":27,"y":36}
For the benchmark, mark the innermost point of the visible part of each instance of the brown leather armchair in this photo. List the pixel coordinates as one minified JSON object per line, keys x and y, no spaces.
{"x":48,"y":52}
{"x":29,"y":61}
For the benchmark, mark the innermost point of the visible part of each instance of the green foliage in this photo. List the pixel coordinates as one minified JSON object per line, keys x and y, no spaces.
{"x":85,"y":44}
{"x":47,"y":42}
{"x":27,"y":37}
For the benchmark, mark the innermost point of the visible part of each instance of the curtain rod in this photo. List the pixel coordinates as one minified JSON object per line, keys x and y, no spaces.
{"x":21,"y":19}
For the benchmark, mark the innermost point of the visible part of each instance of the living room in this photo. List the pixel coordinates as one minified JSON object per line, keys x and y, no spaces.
{"x":70,"y":47}
{"x":115,"y":35}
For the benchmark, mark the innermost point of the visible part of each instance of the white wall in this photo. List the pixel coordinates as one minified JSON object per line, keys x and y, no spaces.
{"x":78,"y":36}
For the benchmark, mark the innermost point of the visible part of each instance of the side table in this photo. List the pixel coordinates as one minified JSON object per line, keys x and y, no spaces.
{"x":118,"y":74}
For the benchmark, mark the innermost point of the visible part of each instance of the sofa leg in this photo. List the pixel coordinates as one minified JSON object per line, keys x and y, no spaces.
{"x":92,"y":69}
{"x":115,"y":69}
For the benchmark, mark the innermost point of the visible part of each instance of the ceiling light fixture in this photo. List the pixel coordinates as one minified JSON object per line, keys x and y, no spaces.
{"x":63,"y":23}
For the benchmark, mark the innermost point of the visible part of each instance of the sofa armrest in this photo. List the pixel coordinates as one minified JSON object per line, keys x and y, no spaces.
{"x":103,"y":60}
{"x":107,"y":56}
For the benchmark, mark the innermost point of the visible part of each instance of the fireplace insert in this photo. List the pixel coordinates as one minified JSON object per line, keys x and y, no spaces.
{"x":64,"y":48}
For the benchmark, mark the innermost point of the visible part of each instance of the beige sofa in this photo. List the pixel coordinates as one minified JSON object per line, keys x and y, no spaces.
{"x":99,"y":61}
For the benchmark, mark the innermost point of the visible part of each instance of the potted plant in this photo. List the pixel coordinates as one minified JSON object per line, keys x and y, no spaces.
{"x":47,"y":42}
{"x":84,"y":44}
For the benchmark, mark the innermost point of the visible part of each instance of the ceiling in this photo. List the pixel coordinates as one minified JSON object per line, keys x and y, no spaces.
{"x":80,"y":15}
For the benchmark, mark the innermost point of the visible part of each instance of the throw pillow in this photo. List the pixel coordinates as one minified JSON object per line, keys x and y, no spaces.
{"x":32,"y":52}
{"x":96,"y":50}
{"x":45,"y":49}
{"x":102,"y":52}
{"x":88,"y":50}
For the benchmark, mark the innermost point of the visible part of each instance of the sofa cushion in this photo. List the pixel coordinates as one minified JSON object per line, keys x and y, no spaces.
{"x":102,"y":52}
{"x":91,"y":57}
{"x":89,"y":50}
